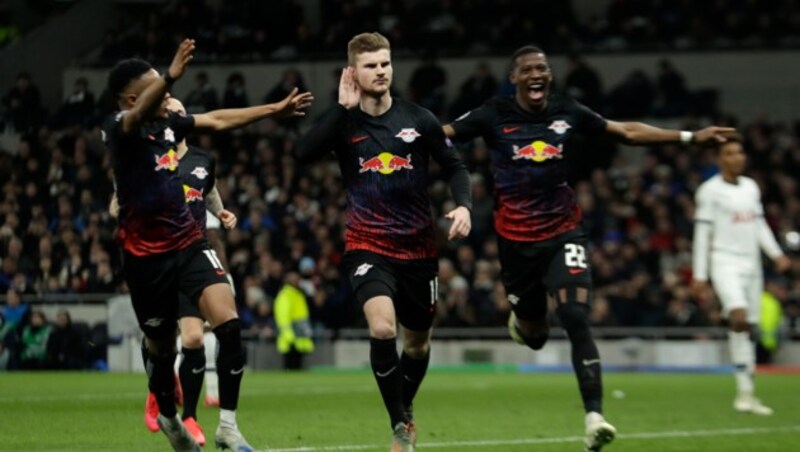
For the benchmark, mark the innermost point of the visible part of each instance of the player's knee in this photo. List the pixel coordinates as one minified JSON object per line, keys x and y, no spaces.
{"x":737,"y":321}
{"x":229,"y":335}
{"x":192,"y":339}
{"x":574,"y":317}
{"x":161,"y":348}
{"x":383,"y":330}
{"x":417,"y":350}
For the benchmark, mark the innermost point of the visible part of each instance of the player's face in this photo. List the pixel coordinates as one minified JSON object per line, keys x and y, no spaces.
{"x":732,"y":158}
{"x":175,"y":106}
{"x":374,"y":72}
{"x":137,"y":87}
{"x":532,"y":77}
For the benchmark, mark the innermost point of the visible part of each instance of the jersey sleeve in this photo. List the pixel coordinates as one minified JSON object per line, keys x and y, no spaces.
{"x":588,"y":121}
{"x":180,"y":124}
{"x":766,"y":238}
{"x":474,"y":123}
{"x":453,"y":167}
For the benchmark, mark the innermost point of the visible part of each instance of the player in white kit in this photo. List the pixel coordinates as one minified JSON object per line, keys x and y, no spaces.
{"x":729,"y":234}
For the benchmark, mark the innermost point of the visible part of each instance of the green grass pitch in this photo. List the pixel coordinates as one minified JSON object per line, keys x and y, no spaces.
{"x":456,"y":410}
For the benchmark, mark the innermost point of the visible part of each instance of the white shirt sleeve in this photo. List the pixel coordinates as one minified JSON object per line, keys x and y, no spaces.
{"x":212,"y":222}
{"x":703,"y":230}
{"x":766,"y":239}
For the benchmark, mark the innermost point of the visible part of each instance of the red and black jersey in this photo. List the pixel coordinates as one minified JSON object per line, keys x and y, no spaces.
{"x":533,"y":200}
{"x":197,"y":170}
{"x":153,"y":215}
{"x":384,"y":163}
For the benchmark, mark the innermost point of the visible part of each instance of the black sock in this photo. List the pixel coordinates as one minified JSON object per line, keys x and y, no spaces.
{"x":230,"y":363}
{"x":413,"y":373}
{"x":161,"y":381}
{"x":585,"y":357}
{"x":385,"y":367}
{"x":191,"y":371}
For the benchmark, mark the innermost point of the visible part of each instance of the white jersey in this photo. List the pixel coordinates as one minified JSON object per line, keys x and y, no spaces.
{"x":212,"y":222}
{"x":730,"y":225}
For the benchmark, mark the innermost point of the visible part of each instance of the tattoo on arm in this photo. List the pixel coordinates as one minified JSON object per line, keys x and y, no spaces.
{"x":214,"y":202}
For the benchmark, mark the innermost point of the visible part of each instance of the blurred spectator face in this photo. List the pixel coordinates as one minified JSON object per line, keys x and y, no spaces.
{"x":62,"y":319}
{"x":13,"y":298}
{"x":38,"y":319}
{"x":731,"y":158}
{"x":374,"y":72}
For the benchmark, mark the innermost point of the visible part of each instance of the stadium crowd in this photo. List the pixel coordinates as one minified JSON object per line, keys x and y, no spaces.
{"x":57,"y":237}
{"x":252,"y":30}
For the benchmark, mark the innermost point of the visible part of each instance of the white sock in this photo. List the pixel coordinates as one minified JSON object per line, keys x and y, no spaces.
{"x":212,"y":383}
{"x":743,"y":356}
{"x":228,"y":417}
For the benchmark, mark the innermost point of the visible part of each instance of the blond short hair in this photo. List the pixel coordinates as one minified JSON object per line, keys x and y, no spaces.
{"x":365,"y":42}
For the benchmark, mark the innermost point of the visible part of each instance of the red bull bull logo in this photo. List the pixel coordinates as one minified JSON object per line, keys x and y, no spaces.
{"x":168,"y":161}
{"x":192,"y":194}
{"x":538,"y":151}
{"x":385,"y":163}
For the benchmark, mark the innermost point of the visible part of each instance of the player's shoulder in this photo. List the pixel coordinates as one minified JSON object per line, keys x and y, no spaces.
{"x":417,"y":112}
{"x":711,"y":185}
{"x":749,"y":182}
{"x":198,"y":152}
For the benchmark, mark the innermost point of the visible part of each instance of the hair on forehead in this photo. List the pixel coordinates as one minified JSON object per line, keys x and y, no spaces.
{"x":524,"y":50}
{"x":124,"y":72}
{"x":735,"y":138}
{"x":363,"y":43}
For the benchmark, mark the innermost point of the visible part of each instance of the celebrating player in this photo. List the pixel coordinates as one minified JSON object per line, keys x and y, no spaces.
{"x":542,"y":247}
{"x":197,"y":172}
{"x":384,"y":145}
{"x":164,"y":251}
{"x":729,"y":233}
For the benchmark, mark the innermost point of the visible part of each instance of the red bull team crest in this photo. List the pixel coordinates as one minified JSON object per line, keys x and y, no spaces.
{"x":168,"y":161}
{"x":538,"y":151}
{"x":192,"y":194}
{"x":385,"y":163}
{"x":408,"y":135}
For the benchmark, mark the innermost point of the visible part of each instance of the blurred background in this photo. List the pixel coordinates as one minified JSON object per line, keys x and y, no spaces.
{"x":679,"y":64}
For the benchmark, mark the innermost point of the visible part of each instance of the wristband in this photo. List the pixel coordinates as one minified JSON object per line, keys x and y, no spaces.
{"x":686,"y":136}
{"x":168,"y":79}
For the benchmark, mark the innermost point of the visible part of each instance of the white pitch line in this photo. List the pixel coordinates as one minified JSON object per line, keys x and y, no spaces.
{"x":564,"y":439}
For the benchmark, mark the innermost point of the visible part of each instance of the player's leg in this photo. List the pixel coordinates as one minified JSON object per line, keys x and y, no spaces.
{"x":211,"y":346}
{"x":374,"y":285}
{"x":204,"y":279}
{"x":192,"y":367}
{"x":418,"y":289}
{"x":521,"y":275}
{"x":569,"y":282}
{"x":153,"y":286}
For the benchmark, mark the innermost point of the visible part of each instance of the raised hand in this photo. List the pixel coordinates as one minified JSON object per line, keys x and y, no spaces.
{"x":181,"y":59}
{"x":462,"y":223}
{"x":293,"y":105}
{"x":349,"y":92}
{"x":719,"y":134}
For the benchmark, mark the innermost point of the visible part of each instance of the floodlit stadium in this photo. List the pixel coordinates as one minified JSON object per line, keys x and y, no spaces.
{"x":351,"y":225}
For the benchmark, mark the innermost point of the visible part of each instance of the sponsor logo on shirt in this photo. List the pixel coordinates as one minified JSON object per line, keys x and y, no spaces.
{"x":385,"y":163}
{"x":559,"y":126}
{"x":538,"y":151}
{"x":192,"y":194}
{"x":168,"y":161}
{"x":408,"y":135}
{"x":200,"y":172}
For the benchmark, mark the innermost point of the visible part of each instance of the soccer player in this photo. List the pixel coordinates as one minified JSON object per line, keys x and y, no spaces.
{"x":383,"y":145}
{"x":729,"y":233}
{"x":164,"y":251}
{"x":542,"y":247}
{"x":197,"y":171}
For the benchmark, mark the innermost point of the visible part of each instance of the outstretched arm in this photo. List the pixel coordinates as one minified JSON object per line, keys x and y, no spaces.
{"x":316,"y":143}
{"x":641,"y":133}
{"x":149,"y":101}
{"x":292,"y":105}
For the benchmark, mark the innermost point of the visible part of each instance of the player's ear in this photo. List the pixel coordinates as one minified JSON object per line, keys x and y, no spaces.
{"x":512,"y":77}
{"x":130,"y":99}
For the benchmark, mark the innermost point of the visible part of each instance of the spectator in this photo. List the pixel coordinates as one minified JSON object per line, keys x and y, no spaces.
{"x":65,"y":345}
{"x":475,"y":90}
{"x":24,"y":111}
{"x":583,"y":83}
{"x":203,"y":97}
{"x":78,"y":107}
{"x":235,"y":92}
{"x":427,"y":85}
{"x":33,"y":353}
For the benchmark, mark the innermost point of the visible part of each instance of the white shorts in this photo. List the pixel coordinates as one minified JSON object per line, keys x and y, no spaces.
{"x":738,"y":286}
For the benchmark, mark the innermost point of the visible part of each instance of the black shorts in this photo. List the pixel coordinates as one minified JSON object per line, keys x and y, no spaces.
{"x":413,"y":285}
{"x":534,"y":270}
{"x":156,"y":282}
